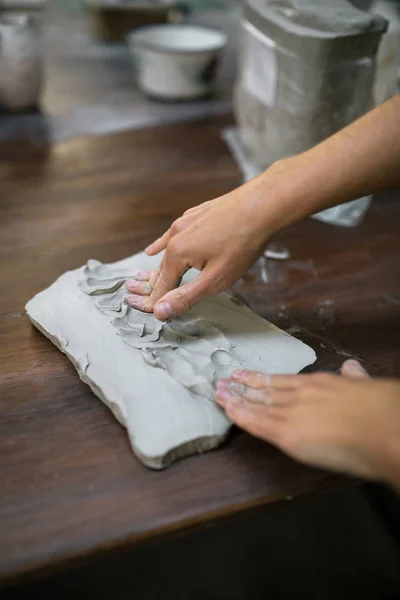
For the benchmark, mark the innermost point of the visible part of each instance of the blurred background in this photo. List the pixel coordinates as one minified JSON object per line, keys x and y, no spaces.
{"x":89,"y":84}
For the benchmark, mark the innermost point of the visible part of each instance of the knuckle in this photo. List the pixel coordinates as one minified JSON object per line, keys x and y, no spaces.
{"x":174,"y":229}
{"x":183,"y":299}
{"x":178,"y":225}
{"x":176,"y":248}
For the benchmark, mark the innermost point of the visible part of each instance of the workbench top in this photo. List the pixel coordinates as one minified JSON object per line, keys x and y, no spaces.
{"x":70,"y":483}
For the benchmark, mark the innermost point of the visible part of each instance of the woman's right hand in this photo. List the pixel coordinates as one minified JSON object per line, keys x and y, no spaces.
{"x":221,"y":238}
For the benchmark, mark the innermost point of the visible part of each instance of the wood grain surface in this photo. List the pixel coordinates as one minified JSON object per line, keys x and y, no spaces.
{"x":70,"y":484}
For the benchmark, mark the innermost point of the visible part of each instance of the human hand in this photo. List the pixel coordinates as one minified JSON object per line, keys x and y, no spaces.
{"x":224,"y":237}
{"x":221,"y":238}
{"x":347,"y":423}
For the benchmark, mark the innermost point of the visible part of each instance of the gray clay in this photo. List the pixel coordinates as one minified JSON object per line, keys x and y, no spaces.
{"x":157,"y":378}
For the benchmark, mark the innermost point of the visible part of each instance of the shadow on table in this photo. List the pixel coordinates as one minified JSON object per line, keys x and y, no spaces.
{"x":31,"y":126}
{"x":325,"y":547}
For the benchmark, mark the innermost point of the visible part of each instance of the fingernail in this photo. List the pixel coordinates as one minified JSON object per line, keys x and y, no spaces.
{"x":238,"y":374}
{"x":354,"y":363}
{"x":163,"y":311}
{"x":140,"y":287}
{"x":223,"y":384}
{"x":132,"y":285}
{"x":140,"y":276}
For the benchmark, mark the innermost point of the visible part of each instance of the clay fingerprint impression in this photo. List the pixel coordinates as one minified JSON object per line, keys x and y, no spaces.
{"x":192,"y":350}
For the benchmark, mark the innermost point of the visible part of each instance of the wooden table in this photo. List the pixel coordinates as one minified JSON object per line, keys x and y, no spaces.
{"x":70,"y":484}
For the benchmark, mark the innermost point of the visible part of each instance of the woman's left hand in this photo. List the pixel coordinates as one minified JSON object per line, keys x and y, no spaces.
{"x":347,"y":423}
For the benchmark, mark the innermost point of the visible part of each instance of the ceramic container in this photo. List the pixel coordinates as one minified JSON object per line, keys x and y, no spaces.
{"x":112,"y":20}
{"x":306,"y":70}
{"x":21,"y":64}
{"x":387,"y":79}
{"x":176,"y":62}
{"x":304,"y":73}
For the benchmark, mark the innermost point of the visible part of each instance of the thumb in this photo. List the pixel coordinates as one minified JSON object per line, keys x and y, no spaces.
{"x":183,"y":298}
{"x":353,"y":369}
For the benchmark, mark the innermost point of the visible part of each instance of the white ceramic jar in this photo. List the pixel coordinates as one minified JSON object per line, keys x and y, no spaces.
{"x":176,"y":62}
{"x":21,"y":66}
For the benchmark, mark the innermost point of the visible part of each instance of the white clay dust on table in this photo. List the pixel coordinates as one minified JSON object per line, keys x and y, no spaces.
{"x":159,"y":378}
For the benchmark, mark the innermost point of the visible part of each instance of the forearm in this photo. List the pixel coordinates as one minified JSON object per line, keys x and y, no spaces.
{"x":357,"y":161}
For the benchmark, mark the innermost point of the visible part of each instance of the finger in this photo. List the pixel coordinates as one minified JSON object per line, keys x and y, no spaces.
{"x":144,"y":275}
{"x":252,"y":379}
{"x":230,"y":391}
{"x":139,"y":302}
{"x":160,"y":244}
{"x":144,"y":282}
{"x":286,"y":382}
{"x":261,"y":380}
{"x":183,"y":298}
{"x":169,"y":276}
{"x":143,"y":288}
{"x":177,"y":226}
{"x":250,"y":419}
{"x":353,"y":369}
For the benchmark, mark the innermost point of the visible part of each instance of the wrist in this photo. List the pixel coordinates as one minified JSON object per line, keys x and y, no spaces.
{"x":288,"y":191}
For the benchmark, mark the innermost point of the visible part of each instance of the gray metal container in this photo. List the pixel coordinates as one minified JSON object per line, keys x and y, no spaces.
{"x":306,"y":70}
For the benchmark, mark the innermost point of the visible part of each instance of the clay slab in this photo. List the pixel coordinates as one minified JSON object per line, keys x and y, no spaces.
{"x":158,"y":379}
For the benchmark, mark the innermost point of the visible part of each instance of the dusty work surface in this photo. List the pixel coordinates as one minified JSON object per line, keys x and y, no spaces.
{"x":70,"y":485}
